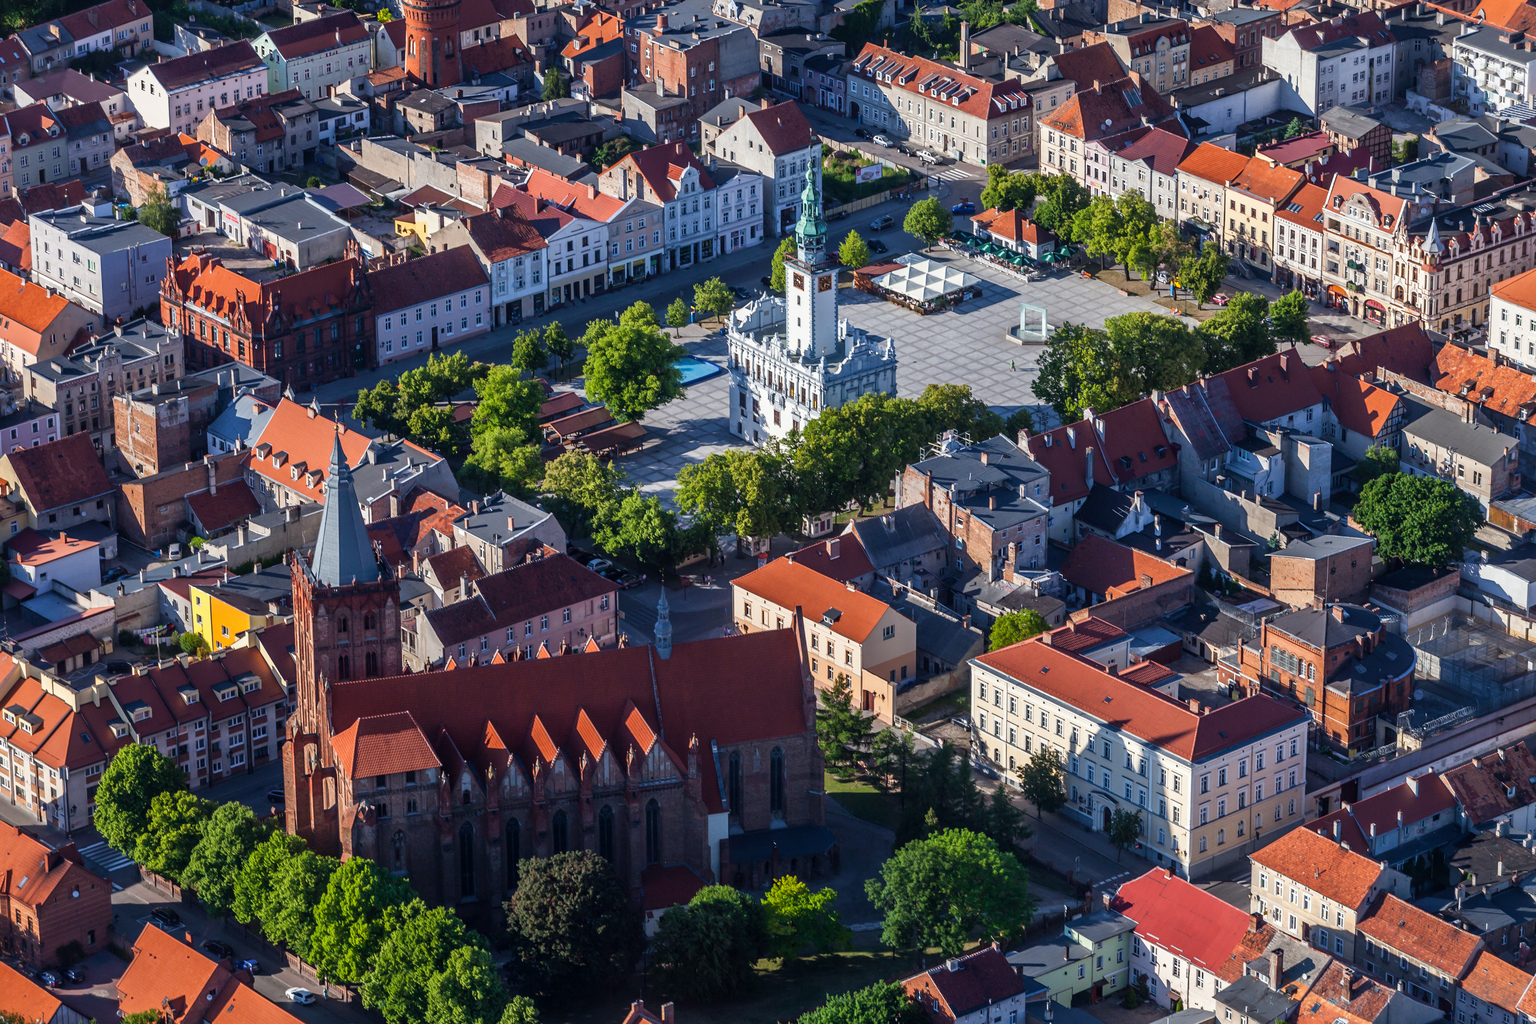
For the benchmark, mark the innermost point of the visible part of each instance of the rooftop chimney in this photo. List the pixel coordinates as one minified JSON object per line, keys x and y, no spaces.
{"x":1276,"y":964}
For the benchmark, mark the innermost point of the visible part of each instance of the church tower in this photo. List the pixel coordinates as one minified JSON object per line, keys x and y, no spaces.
{"x":810,"y":282}
{"x":346,"y":611}
{"x":432,"y":41}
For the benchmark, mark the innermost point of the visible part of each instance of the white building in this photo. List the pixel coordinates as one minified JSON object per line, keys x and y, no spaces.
{"x":1492,"y":74}
{"x":510,"y":251}
{"x":1511,"y":314}
{"x":316,"y":56}
{"x":424,"y":304}
{"x":179,"y":93}
{"x":109,"y":266}
{"x":792,"y":357}
{"x":778,"y":144}
{"x":42,"y":559}
{"x":1343,"y":62}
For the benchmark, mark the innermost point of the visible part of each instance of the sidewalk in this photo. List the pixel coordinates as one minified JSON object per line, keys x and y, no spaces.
{"x":1071,"y":849}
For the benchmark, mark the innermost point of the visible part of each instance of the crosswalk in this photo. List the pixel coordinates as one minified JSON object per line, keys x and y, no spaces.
{"x":105,"y":857}
{"x":954,"y":174}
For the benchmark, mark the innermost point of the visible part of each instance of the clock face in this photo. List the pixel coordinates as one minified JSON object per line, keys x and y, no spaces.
{"x":824,"y":284}
{"x":800,"y":282}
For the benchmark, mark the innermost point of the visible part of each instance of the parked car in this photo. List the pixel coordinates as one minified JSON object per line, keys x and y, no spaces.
{"x":926,"y":157}
{"x":1325,"y":340}
{"x":597,"y":565}
{"x":217,"y":949}
{"x":1220,"y":299}
{"x":302,"y":996}
{"x":961,"y":721}
{"x":277,"y":796}
{"x":114,"y":574}
{"x":623,"y":577}
{"x":165,"y":916}
{"x":881,"y":223}
{"x":50,"y":979}
{"x":767,"y":281}
{"x":862,"y":133}
{"x":76,"y":974}
{"x":119,"y":668}
{"x":875,"y":245}
{"x":880,"y":140}
{"x":963,"y":207}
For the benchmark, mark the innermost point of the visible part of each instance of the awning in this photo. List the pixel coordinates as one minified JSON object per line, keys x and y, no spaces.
{"x":1334,"y":289}
{"x":925,"y":280}
{"x":1373,"y":304}
{"x":19,"y":589}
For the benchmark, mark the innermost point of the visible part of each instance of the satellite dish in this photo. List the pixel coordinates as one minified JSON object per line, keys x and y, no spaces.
{"x":203,"y":160}
{"x":1418,"y":694}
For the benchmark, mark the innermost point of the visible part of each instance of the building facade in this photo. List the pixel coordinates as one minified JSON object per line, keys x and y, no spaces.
{"x":316,"y":56}
{"x":179,"y":93}
{"x":111,"y":267}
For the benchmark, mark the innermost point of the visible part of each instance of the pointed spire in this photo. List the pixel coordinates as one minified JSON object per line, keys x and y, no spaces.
{"x":342,"y":552}
{"x":811,"y":229}
{"x":1432,"y":244}
{"x":663,"y":628}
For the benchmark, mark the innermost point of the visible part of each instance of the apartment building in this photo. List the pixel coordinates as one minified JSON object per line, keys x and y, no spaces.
{"x":1299,"y":237}
{"x":54,"y":900}
{"x":109,"y":266}
{"x":1244,"y":29}
{"x":1204,"y":177}
{"x":134,"y":356}
{"x":126,"y":25}
{"x":317,"y":55}
{"x":1479,"y":460}
{"x":1254,"y":199}
{"x":60,"y":485}
{"x":626,"y":221}
{"x":1365,"y":227}
{"x":938,"y":107}
{"x":682,"y":49}
{"x":37,"y":325}
{"x":1492,"y":71}
{"x":1149,"y":166}
{"x":1456,"y":268}
{"x":1427,"y":956}
{"x":1154,"y":47}
{"x":1345,"y":60}
{"x":428,"y":303}
{"x":777,"y":144}
{"x":1106,"y":116}
{"x":179,"y":93}
{"x":845,"y":631}
{"x":1317,"y":888}
{"x":1209,"y":784}
{"x":38,"y":143}
{"x":512,"y":253}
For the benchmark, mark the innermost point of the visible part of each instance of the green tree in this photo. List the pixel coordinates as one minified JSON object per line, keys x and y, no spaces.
{"x":314,"y":182}
{"x":884,"y":1002}
{"x":171,"y":832}
{"x":1238,"y":334}
{"x":555,"y":85}
{"x":1169,"y":246}
{"x":501,"y":458}
{"x":1378,"y":460}
{"x":192,"y":643}
{"x":797,"y":919}
{"x":159,"y":212}
{"x":1203,"y":272}
{"x":677,"y":313}
{"x":419,"y":942}
{"x":1099,"y":227}
{"x":891,"y":753}
{"x":254,"y":885}
{"x":1153,"y":352}
{"x":1043,"y":780}
{"x":641,"y":527}
{"x":435,"y":428}
{"x":1004,"y":822}
{"x":706,"y":950}
{"x":297,"y":888}
{"x":714,"y":297}
{"x":610,"y":153}
{"x":858,"y":25}
{"x":142,"y":1017}
{"x":853,"y":253}
{"x":528,"y":353}
{"x":521,"y":1010}
{"x":748,"y":492}
{"x":467,"y":990}
{"x":133,"y":778}
{"x":350,"y":918}
{"x":853,"y":452}
{"x":939,"y":890}
{"x":1423,"y":521}
{"x":1017,"y":422}
{"x":558,"y":344}
{"x":953,"y":407}
{"x":929,"y":220}
{"x":1078,"y":370}
{"x":506,"y":400}
{"x":632,"y":365}
{"x":1059,"y":198}
{"x":1124,"y":830}
{"x":842,"y":731}
{"x":785,"y":250}
{"x":1005,"y":191}
{"x":1295,"y":128}
{"x":1289,"y":318}
{"x":375,"y":407}
{"x":571,"y":924}
{"x":231,"y":834}
{"x":577,"y":486}
{"x":1014,"y":627}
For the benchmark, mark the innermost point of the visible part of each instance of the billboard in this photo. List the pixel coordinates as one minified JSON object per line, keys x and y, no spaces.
{"x":870,"y":173}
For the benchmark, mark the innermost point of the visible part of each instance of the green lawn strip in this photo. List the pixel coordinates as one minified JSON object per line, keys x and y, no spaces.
{"x":864,"y":801}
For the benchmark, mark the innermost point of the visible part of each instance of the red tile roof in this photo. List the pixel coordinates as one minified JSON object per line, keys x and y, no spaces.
{"x":504,"y":233}
{"x":519,"y":594}
{"x":666,"y":886}
{"x":1085,"y":635}
{"x":617,"y":689}
{"x":1382,"y":810}
{"x":1311,"y":199}
{"x":662,"y":167}
{"x":1494,"y":784}
{"x":1146,"y":714}
{"x":1406,"y":350}
{"x":204,"y":282}
{"x":1014,"y":225}
{"x":328,"y":33}
{"x":1344,"y":993}
{"x":1187,"y":921}
{"x":850,"y":562}
{"x":1089,"y":63}
{"x":1269,"y":388}
{"x":1128,"y":444}
{"x":302,"y":443}
{"x":1271,"y":183}
{"x":53,"y":196}
{"x":425,"y":278}
{"x":790,"y":585}
{"x":29,"y":305}
{"x":1109,"y":108}
{"x":451,"y":565}
{"x":1207,"y":49}
{"x":979,"y":97}
{"x":233,"y":503}
{"x":1213,"y":163}
{"x":1346,"y":877}
{"x":1496,"y":982}
{"x":1160,"y":149}
{"x":63,"y":472}
{"x":1359,"y":406}
{"x":1406,"y":929}
{"x":21,"y":995}
{"x":383,"y":745}
{"x":1367,"y":25}
{"x":783,"y":127}
{"x":29,"y":547}
{"x":601,"y":28}
{"x":225,"y":61}
{"x":1387,"y":208}
{"x":103,"y":17}
{"x":30,"y":870}
{"x":170,"y":977}
{"x":1113,"y":570}
{"x":969,"y":983}
{"x":494,"y":54}
{"x":583,"y":200}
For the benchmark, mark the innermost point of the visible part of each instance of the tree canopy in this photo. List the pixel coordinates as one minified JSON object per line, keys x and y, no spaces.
{"x":1008,"y":191}
{"x":707,"y":950}
{"x":132,"y":779}
{"x":853,"y":253}
{"x":1422,"y":520}
{"x":419,"y":943}
{"x":884,"y":1002}
{"x":229,"y":837}
{"x":929,"y":220}
{"x":571,"y":925}
{"x":1014,"y":627}
{"x":350,"y":918}
{"x":798,"y":919}
{"x":172,"y":831}
{"x":632,"y":365}
{"x":1043,"y":779}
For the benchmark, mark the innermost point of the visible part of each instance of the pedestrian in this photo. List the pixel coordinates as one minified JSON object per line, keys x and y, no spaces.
{"x":1011,"y":367}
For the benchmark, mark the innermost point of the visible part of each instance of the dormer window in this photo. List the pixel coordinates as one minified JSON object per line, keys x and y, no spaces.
{"x":141,"y":714}
{"x":119,"y":729}
{"x":226,"y":691}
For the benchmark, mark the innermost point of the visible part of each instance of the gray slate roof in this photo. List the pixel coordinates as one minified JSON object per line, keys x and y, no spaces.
{"x":1447,"y":430}
{"x":903,"y":535}
{"x":342,"y":552}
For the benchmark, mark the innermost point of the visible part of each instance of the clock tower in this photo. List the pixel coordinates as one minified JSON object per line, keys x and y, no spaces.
{"x":810,"y":282}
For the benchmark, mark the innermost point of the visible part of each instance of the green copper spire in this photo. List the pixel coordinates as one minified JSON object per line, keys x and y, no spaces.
{"x":811,"y":231}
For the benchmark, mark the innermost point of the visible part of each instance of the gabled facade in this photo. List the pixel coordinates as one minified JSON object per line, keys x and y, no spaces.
{"x":1428,"y":956}
{"x":317,"y":55}
{"x":1347,"y":60}
{"x":511,"y":252}
{"x":778,"y":145}
{"x":49,"y":898}
{"x":178,"y":93}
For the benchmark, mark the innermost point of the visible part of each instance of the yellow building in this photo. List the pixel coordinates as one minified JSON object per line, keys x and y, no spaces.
{"x":222,"y":612}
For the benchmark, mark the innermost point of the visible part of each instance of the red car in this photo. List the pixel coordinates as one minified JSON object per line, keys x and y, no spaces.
{"x":1220,"y":298}
{"x":1324,"y":340}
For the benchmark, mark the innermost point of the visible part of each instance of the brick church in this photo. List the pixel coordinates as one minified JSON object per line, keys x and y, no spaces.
{"x":681,"y":765}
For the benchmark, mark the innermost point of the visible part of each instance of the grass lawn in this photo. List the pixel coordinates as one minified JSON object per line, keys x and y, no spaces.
{"x":781,"y":993}
{"x":864,"y":801}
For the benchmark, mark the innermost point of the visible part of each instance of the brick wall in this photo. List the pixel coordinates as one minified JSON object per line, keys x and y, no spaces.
{"x":1343,"y":576}
{"x":149,"y":510}
{"x":1143,"y":606}
{"x":65,"y":918}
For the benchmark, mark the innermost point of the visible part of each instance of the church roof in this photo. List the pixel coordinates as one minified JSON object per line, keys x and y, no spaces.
{"x":343,"y":553}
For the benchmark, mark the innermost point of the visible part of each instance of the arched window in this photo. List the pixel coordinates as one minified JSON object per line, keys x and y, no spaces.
{"x":397,"y":845}
{"x":371,"y":660}
{"x":559,"y":833}
{"x":514,"y":851}
{"x":368,"y":622}
{"x":734,"y":789}
{"x":776,"y":782}
{"x":343,"y":667}
{"x":653,"y":832}
{"x":342,"y":625}
{"x":605,"y":832}
{"x":467,"y":860}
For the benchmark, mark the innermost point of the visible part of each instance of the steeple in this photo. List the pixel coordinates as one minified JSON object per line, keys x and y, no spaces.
{"x":1432,"y":244}
{"x":343,"y":554}
{"x":811,"y":230}
{"x":663,"y":628}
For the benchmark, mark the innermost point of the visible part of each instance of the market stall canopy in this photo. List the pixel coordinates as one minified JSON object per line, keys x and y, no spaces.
{"x":925,"y":281}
